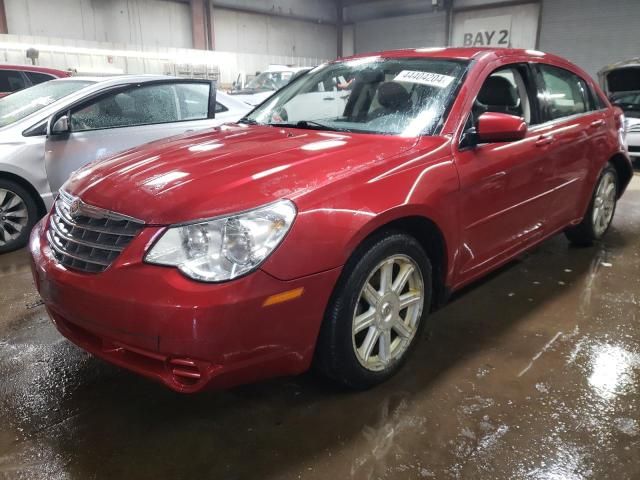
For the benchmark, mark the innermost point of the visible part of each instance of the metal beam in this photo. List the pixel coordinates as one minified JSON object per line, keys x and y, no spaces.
{"x":339,"y":27}
{"x":198,"y":24}
{"x":3,"y":18}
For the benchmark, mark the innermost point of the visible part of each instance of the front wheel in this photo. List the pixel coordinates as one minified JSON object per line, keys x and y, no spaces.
{"x":376,"y":313}
{"x":599,"y":215}
{"x":18,"y":214}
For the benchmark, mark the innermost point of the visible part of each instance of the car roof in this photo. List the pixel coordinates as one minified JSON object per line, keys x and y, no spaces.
{"x":34,"y":68}
{"x":458,"y":53}
{"x":120,"y":79}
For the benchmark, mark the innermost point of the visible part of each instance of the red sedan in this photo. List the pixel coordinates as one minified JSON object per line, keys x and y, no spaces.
{"x":17,"y":77}
{"x":325,"y":226}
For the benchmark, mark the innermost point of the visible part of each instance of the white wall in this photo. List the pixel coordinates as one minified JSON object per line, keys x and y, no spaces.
{"x":150,"y":23}
{"x":523,"y":24}
{"x":104,"y":58}
{"x":236,"y":31}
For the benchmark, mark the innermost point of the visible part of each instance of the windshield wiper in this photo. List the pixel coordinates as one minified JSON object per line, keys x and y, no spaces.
{"x":310,"y":124}
{"x":248,"y":121}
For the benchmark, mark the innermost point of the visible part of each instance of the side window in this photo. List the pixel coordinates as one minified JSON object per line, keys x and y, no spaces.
{"x":194,"y":100}
{"x":221,"y":108}
{"x":139,"y":105}
{"x":10,"y":81}
{"x":565,"y":92}
{"x":505,"y":91}
{"x":37,"y":77}
{"x":598,"y":101}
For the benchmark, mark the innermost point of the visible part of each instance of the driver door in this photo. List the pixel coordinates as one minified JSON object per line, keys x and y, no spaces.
{"x":503,"y":185}
{"x":125,"y":117}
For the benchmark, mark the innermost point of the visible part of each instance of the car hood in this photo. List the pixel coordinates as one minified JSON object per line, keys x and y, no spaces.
{"x":253,"y":99}
{"x":229,"y":169}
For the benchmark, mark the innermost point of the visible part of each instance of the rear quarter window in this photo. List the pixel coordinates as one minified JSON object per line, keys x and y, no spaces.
{"x":37,"y":77}
{"x":566,"y":93}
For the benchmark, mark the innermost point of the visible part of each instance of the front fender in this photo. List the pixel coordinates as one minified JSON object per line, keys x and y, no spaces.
{"x":332,"y":223}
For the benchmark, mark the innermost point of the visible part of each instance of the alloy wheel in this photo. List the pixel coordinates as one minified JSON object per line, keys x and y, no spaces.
{"x":14,"y":216}
{"x":604,"y":203}
{"x":388,"y":312}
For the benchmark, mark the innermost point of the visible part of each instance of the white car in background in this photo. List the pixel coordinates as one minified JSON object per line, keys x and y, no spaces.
{"x":261,"y":87}
{"x":621,"y":82}
{"x":49,"y":130}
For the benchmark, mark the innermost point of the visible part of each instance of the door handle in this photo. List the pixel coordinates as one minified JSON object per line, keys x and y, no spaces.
{"x":328,"y":98}
{"x":544,"y":140}
{"x":597,"y":124}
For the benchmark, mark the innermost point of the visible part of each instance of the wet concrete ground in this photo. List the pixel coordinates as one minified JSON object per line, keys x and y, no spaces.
{"x":533,"y":373}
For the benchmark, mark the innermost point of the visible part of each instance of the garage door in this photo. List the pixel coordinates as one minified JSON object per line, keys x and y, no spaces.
{"x":515,"y":27}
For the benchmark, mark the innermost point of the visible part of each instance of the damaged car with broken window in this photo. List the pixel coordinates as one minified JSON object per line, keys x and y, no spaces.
{"x":324,"y":236}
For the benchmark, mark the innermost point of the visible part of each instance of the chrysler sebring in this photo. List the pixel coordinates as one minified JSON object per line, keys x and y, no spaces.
{"x":325,"y":235}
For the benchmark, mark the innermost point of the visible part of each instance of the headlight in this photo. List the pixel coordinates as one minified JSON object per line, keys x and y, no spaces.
{"x":227,"y":247}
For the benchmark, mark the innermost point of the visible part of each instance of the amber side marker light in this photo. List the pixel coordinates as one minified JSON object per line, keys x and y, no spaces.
{"x":283,"y":297}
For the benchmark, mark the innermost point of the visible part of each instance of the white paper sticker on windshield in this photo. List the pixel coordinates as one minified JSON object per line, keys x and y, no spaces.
{"x":425,"y":78}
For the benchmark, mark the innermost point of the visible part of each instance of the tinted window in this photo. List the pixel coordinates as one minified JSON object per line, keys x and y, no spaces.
{"x":25,"y":102}
{"x":11,"y":81}
{"x":565,"y":92}
{"x":37,"y":77}
{"x":144,"y":105}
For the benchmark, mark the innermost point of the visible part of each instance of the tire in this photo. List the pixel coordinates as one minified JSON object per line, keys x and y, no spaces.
{"x":18,"y":215}
{"x":341,"y":352}
{"x":602,"y":207}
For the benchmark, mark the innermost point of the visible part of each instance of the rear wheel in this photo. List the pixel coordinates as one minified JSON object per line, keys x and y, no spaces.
{"x":376,"y":312}
{"x":18,"y":214}
{"x":599,"y":216}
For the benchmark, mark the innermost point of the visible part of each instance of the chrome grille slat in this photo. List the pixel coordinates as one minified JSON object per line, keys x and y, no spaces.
{"x":94,"y":228}
{"x":91,"y":238}
{"x":80,"y":241}
{"x":62,"y":251}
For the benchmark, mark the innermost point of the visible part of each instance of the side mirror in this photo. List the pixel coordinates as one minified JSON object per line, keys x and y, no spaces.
{"x":493,"y":127}
{"x":61,"y":126}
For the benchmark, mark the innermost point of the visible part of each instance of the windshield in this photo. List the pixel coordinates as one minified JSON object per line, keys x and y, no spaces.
{"x":20,"y":104}
{"x":627,"y":100}
{"x":270,"y":81}
{"x":396,"y":96}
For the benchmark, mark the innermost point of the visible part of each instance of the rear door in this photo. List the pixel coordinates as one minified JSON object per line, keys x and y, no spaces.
{"x":126,"y":117}
{"x":577,"y":129}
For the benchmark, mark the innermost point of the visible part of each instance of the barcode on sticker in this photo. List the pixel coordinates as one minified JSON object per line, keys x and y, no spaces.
{"x":425,"y":78}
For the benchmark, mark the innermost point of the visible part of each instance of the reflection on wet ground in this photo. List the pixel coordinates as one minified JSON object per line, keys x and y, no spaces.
{"x":532,"y":374}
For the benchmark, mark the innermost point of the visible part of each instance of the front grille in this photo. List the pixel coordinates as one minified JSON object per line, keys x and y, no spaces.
{"x":634,"y":149}
{"x":87,"y":238}
{"x":635,"y":128}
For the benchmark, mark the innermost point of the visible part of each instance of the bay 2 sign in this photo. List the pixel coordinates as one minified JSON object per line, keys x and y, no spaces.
{"x":487,"y":32}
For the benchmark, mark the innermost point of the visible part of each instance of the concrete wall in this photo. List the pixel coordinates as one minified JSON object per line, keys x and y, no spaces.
{"x":150,"y":23}
{"x":238,"y":31}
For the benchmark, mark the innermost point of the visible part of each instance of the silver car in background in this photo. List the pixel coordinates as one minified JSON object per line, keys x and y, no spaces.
{"x":50,"y":130}
{"x":621,"y":82}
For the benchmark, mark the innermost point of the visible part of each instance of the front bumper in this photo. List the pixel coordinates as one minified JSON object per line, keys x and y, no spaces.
{"x":188,"y":335}
{"x":633,"y":142}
